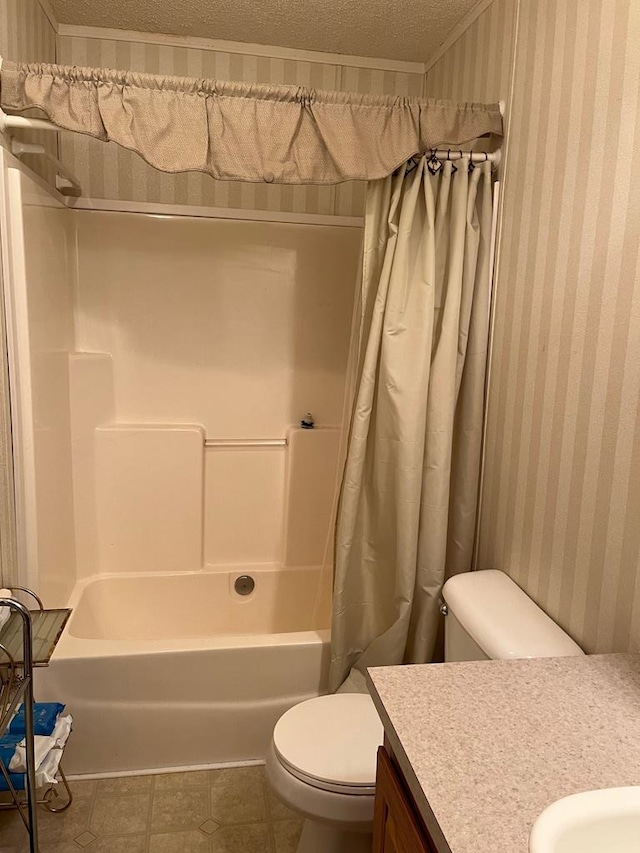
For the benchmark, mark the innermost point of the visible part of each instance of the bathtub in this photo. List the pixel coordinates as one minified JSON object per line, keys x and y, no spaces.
{"x":177,"y":670}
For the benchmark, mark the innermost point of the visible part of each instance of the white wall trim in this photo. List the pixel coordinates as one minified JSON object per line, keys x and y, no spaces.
{"x":158,"y":209}
{"x":47,"y":8}
{"x":460,"y":29}
{"x":245,"y":48}
{"x":158,"y":771}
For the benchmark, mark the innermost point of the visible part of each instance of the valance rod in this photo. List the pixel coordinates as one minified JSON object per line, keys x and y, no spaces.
{"x":244,"y":132}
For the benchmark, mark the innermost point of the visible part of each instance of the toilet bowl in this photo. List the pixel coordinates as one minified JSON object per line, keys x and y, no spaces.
{"x":322,"y":764}
{"x":322,"y":759}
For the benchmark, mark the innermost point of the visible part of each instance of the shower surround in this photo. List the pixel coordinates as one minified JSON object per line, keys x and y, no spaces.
{"x":134,"y":340}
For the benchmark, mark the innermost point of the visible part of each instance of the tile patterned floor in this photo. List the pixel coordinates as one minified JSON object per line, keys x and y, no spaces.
{"x":204,"y":811}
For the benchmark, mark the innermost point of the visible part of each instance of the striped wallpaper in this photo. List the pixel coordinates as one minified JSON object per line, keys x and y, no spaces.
{"x":25,"y":32}
{"x":27,"y":35}
{"x":106,"y":171}
{"x":561,"y":505}
{"x":478,"y":66}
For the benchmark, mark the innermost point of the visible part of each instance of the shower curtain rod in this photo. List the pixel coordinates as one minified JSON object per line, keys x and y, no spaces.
{"x":9,"y":122}
{"x":474,"y":156}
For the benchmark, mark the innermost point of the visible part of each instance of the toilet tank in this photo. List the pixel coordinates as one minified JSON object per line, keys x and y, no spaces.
{"x":490,"y":618}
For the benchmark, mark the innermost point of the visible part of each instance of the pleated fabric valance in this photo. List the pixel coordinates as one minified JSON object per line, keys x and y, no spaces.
{"x":242,"y":131}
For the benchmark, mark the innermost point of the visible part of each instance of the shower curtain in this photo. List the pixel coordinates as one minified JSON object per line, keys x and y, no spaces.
{"x":408,"y":500}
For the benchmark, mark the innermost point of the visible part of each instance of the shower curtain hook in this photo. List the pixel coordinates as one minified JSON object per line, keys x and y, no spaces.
{"x":433,"y":164}
{"x":412,"y":164}
{"x":454,"y":168}
{"x":472,"y":165}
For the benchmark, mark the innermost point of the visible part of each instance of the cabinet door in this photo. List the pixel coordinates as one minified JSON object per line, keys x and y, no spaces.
{"x":396,"y":828}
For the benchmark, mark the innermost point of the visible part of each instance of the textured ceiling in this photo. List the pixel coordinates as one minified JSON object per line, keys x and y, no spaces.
{"x":400,"y":29}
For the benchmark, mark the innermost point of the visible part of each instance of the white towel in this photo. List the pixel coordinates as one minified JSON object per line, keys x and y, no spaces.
{"x":5,"y":611}
{"x":48,"y":770}
{"x":44,"y":746}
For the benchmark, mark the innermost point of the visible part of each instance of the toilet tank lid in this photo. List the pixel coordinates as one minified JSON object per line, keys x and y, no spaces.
{"x":502,"y":619}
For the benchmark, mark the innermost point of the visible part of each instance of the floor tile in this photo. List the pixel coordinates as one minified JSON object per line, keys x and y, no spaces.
{"x":122,"y":844}
{"x":80,"y":788}
{"x":277,"y":808}
{"x":209,"y":826}
{"x":175,"y":781}
{"x":251,"y":838}
{"x":185,"y":809}
{"x":180,"y":842}
{"x":287,"y":834}
{"x":67,"y":825}
{"x":12,"y":829}
{"x":219,"y":811}
{"x":119,"y":815}
{"x":85,"y":838}
{"x":237,"y":795}
{"x":124,"y":785}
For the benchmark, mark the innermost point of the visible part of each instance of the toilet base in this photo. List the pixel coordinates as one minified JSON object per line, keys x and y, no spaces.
{"x":322,"y":838}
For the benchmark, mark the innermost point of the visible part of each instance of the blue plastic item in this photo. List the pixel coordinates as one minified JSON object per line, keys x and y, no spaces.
{"x":8,"y":743}
{"x":45,"y":715}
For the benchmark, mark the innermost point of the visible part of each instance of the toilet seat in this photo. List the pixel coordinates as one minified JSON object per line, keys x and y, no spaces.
{"x":333,"y":787}
{"x":331,"y":743}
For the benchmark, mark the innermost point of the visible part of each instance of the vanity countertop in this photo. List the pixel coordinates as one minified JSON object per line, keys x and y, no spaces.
{"x":485,"y":746}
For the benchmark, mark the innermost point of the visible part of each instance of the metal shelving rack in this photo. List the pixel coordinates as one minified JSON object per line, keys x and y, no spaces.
{"x":28,"y":639}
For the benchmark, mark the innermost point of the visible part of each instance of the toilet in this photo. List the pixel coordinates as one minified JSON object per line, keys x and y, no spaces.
{"x":322,"y":757}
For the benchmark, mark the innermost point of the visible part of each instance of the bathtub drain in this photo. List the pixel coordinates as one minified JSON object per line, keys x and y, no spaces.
{"x":244,"y":585}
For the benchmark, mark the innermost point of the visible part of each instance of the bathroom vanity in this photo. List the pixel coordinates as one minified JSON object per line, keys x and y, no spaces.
{"x":397,"y":825}
{"x":475,"y":751}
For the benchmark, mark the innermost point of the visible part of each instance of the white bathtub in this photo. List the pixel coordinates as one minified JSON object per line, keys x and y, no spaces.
{"x":179,"y":670}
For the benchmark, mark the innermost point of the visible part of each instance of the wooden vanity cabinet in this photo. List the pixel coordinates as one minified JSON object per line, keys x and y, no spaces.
{"x":397,"y":826}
